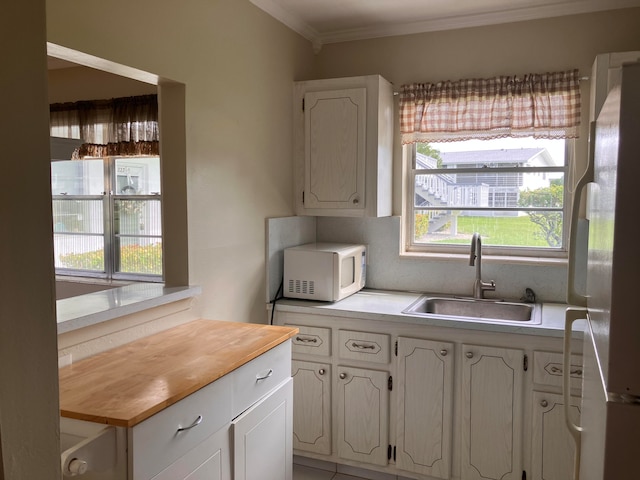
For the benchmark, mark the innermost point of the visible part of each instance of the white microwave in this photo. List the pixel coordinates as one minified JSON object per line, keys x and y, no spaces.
{"x":324,"y":271}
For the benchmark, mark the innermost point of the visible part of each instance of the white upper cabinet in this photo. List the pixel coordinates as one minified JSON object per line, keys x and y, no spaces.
{"x":343,"y":146}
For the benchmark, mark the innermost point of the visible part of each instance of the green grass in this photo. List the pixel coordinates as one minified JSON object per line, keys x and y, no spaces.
{"x":508,"y":231}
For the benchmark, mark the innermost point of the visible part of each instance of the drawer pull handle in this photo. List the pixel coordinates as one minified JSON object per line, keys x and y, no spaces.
{"x":264,"y":377}
{"x":575,"y":371}
{"x":363,"y":346}
{"x":194,"y":424}
{"x":306,"y":340}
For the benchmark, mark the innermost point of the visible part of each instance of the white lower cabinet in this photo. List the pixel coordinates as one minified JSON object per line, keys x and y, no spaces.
{"x":429,"y":403}
{"x":552,"y":447}
{"x":362,"y":398}
{"x":210,"y":460}
{"x":424,"y":406}
{"x":238,"y":427}
{"x":492,"y":394}
{"x":311,"y":406}
{"x":262,"y":448}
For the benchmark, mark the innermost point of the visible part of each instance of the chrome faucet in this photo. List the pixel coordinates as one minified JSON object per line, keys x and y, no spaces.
{"x":475,"y":258}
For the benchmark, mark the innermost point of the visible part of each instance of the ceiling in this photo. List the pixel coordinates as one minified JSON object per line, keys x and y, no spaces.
{"x":331,"y":21}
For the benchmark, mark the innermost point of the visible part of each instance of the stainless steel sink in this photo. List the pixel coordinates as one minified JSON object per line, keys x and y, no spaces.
{"x":475,"y":309}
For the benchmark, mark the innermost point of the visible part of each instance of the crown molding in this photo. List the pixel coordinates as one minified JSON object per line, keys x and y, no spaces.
{"x":475,"y":20}
{"x":574,"y":7}
{"x":294,"y":22}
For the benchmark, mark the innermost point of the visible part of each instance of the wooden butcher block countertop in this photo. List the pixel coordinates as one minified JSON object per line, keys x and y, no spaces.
{"x":128,"y":384}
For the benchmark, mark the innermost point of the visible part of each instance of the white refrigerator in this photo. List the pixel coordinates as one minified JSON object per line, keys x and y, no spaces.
{"x":608,"y":438}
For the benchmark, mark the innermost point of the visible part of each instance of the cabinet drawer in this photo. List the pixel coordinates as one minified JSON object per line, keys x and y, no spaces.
{"x":369,"y":347}
{"x":255,"y":379}
{"x":311,"y":340}
{"x":548,"y":367}
{"x":156,"y":443}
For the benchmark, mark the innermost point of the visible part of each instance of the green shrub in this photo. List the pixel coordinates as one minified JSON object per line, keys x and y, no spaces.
{"x":145,"y":259}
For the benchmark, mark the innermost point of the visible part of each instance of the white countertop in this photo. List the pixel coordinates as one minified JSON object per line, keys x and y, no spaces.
{"x":92,"y":308}
{"x":382,"y":305}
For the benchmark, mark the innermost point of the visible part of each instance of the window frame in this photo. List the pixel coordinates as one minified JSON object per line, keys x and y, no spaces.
{"x":109,"y":197}
{"x":512,"y":253}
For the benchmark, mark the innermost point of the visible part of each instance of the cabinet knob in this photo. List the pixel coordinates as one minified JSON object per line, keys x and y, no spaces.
{"x":443,"y":352}
{"x":544,"y":403}
{"x":77,"y":467}
{"x":343,"y":376}
{"x":469,"y":354}
{"x":321,"y":371}
{"x":356,"y":201}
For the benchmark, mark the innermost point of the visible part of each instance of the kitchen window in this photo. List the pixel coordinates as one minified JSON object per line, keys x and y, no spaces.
{"x":107,"y":217}
{"x":511,"y":191}
{"x":489,"y":156}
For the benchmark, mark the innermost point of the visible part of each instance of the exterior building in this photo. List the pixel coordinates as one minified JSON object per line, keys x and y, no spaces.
{"x":477,"y":189}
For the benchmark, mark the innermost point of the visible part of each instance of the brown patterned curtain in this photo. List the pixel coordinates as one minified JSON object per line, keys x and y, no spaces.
{"x":539,"y":105}
{"x":117,"y":127}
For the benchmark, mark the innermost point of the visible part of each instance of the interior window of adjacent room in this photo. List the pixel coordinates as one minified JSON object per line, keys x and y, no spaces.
{"x":107,"y":218}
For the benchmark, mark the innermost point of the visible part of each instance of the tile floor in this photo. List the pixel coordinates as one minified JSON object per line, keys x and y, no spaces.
{"x":301,"y":472}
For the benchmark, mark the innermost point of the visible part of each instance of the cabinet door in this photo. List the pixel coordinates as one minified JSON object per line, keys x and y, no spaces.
{"x":492,"y":385}
{"x":210,"y":460}
{"x":311,"y":407}
{"x":362,"y":398}
{"x":425,"y":385}
{"x":335,"y":148}
{"x":552,"y":444}
{"x":262,"y":447}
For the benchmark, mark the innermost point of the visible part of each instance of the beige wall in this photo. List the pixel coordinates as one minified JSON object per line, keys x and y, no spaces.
{"x":83,"y":83}
{"x":28,"y":357}
{"x":555,"y":44}
{"x":237,"y":65}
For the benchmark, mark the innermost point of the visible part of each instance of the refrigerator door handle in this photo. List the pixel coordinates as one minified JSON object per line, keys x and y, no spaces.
{"x":573,"y":297}
{"x":571,"y":315}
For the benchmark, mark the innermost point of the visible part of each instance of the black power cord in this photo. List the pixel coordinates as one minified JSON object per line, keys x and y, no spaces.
{"x":275,"y":299}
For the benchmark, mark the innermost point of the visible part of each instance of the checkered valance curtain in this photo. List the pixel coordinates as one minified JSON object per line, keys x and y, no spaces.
{"x":539,"y":105}
{"x":123,"y":126}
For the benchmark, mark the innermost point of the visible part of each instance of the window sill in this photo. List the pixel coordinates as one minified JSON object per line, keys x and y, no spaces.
{"x":487,"y":258}
{"x":82,"y":311}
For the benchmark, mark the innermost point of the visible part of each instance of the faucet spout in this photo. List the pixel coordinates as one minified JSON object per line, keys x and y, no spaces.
{"x":473,"y":256}
{"x":475,"y":259}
